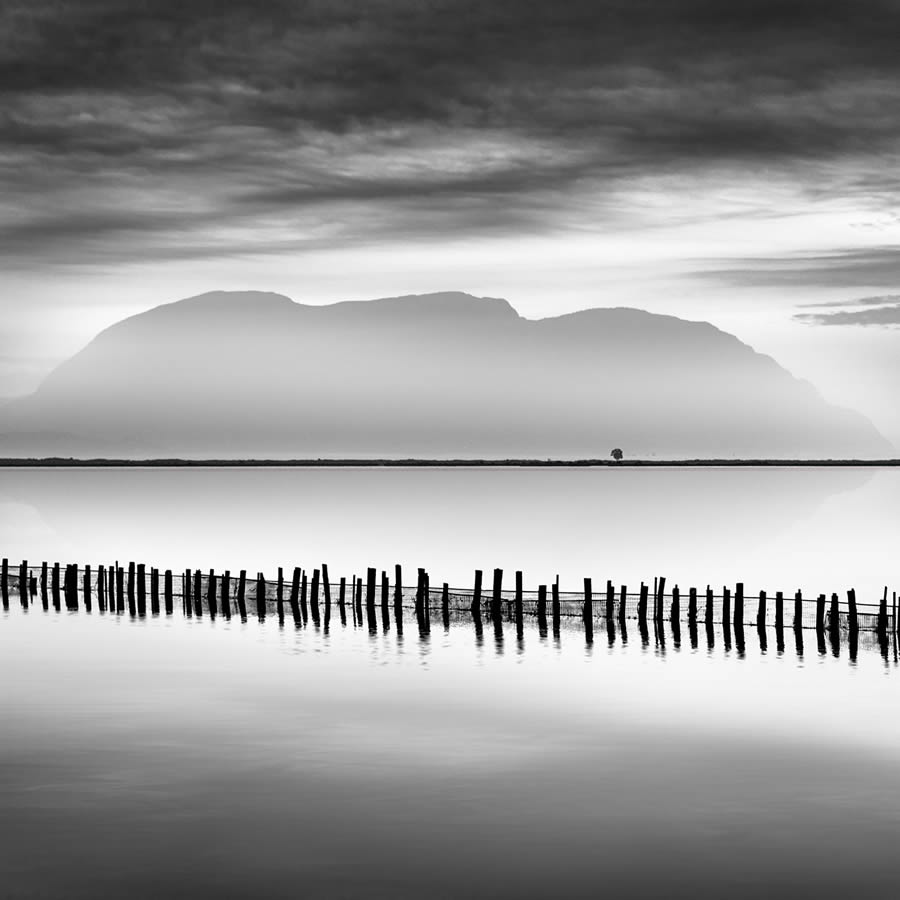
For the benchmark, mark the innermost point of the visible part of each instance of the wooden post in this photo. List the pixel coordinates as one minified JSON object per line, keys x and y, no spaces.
{"x":820,"y":612}
{"x":44,"y":586}
{"x":542,"y":609}
{"x":187,"y":602}
{"x":882,"y":623}
{"x":54,"y":586}
{"x":555,"y":604}
{"x":398,"y":587}
{"x":518,"y":600}
{"x":23,"y":583}
{"x":709,"y":615}
{"x":4,"y":585}
{"x":72,"y":587}
{"x":86,"y":585}
{"x":497,"y":595}
{"x":359,"y":601}
{"x":587,"y":608}
{"x":662,"y":599}
{"x":342,"y":600}
{"x":242,"y":605}
{"x":120,"y":588}
{"x":420,"y":592}
{"x":154,"y":591}
{"x":610,"y":600}
{"x":445,"y":605}
{"x":260,"y":596}
{"x":851,"y":603}
{"x":385,"y":592}
{"x":834,"y":619}
{"x":168,"y":592}
{"x":279,"y":594}
{"x":141,"y":590}
{"x":798,"y":610}
{"x":427,"y":601}
{"x":101,"y":586}
{"x":692,"y":605}
{"x":198,"y":593}
{"x":623,"y":603}
{"x":726,"y":606}
{"x":675,"y":614}
{"x":226,"y":594}
{"x":295,"y":597}
{"x":779,"y":610}
{"x":326,"y":592}
{"x":642,"y":603}
{"x":212,"y":599}
{"x":314,"y":598}
{"x":304,"y":609}
{"x":370,"y":586}
{"x":476,"y":592}
{"x":739,"y":603}
{"x":131,"y":594}
{"x":761,"y":610}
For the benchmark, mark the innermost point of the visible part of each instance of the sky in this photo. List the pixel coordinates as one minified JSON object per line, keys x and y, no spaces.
{"x":732,"y":162}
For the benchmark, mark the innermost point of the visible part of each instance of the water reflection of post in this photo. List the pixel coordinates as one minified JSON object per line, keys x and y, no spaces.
{"x":798,"y":640}
{"x":294,"y":598}
{"x":211,"y":600}
{"x":260,"y":597}
{"x":676,"y":633}
{"x":623,"y":601}
{"x":853,"y":645}
{"x":314,"y":596}
{"x":611,"y":631}
{"x":692,"y":633}
{"x":198,"y":596}
{"x":226,"y":598}
{"x":279,"y":596}
{"x":726,"y":619}
{"x":479,"y":627}
{"x":739,"y":638}
{"x":342,"y":601}
{"x":45,"y":602}
{"x":242,"y":586}
{"x":542,"y":611}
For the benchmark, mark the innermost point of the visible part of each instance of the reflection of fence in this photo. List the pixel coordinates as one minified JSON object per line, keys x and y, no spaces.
{"x":308,"y":595}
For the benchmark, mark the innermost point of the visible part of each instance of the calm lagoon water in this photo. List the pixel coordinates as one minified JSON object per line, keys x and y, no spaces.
{"x":197,"y":758}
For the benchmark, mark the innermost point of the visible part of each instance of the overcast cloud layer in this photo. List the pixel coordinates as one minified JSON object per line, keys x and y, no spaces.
{"x":193,"y":129}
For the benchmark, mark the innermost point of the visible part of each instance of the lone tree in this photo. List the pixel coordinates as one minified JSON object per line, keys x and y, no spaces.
{"x":617,"y":455}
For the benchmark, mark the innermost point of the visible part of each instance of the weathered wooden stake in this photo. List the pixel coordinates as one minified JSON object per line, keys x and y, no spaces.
{"x":385,"y":591}
{"x":726,"y":605}
{"x":314,"y":598}
{"x":370,"y":586}
{"x":692,"y":607}
{"x":86,"y":586}
{"x":131,"y":595}
{"x":101,"y":586}
{"x":198,"y":593}
{"x":739,"y":603}
{"x":497,"y":595}
{"x":675,"y":611}
{"x":279,"y":594}
{"x":295,"y":597}
{"x":587,"y":607}
{"x":186,"y":599}
{"x":304,"y":609}
{"x":342,"y":600}
{"x":761,"y":610}
{"x":242,"y":605}
{"x":4,"y":586}
{"x":642,"y":603}
{"x":554,"y":606}
{"x":476,"y":592}
{"x":851,"y":603}
{"x":798,"y":610}
{"x":820,"y":612}
{"x":141,"y":590}
{"x":445,"y":605}
{"x":226,"y":594}
{"x":779,"y":610}
{"x":168,"y":592}
{"x":882,"y":624}
{"x":542,"y":609}
{"x":518,"y":600}
{"x":154,"y":591}
{"x":260,"y":596}
{"x":398,"y":587}
{"x":212,"y":595}
{"x":326,"y":593}
{"x":708,"y":615}
{"x":834,"y":619}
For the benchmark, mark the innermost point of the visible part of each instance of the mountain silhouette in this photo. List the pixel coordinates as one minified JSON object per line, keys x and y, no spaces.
{"x":242,"y":374}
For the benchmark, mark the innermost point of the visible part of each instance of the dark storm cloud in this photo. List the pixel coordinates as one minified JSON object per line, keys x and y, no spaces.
{"x":453,"y":114}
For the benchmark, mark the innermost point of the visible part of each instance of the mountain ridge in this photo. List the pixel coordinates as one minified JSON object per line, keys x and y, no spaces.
{"x":246,"y":373}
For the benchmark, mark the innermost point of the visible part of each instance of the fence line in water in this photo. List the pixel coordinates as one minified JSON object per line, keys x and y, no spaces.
{"x":115,"y":586}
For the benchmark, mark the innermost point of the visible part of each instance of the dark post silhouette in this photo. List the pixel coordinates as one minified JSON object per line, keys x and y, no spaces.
{"x":212,"y":600}
{"x":4,"y":585}
{"x":820,"y":612}
{"x":86,"y":587}
{"x":798,"y":610}
{"x":186,"y":599}
{"x":260,"y":596}
{"x":518,"y":601}
{"x":445,"y":605}
{"x":295,"y":597}
{"x":497,"y":594}
{"x":342,"y":600}
{"x":779,"y":610}
{"x":739,"y":603}
{"x":54,"y":586}
{"x":141,"y":589}
{"x":304,"y":610}
{"x":709,"y":616}
{"x":852,"y":614}
{"x":132,"y":607}
{"x":692,"y":606}
{"x":241,"y":602}
{"x":226,"y":594}
{"x":834,"y":620}
{"x":882,"y":624}
{"x":398,"y":587}
{"x":476,"y":592}
{"x":420,"y":592}
{"x":610,"y":600}
{"x":642,"y":604}
{"x":623,"y":602}
{"x":726,"y":606}
{"x":198,"y":593}
{"x":542,"y":610}
{"x":279,"y":595}
{"x":370,"y":586}
{"x":761,"y":610}
{"x":326,"y":593}
{"x":101,"y":586}
{"x":154,"y":591}
{"x":314,"y":598}
{"x":675,"y":614}
{"x":167,"y":590}
{"x":555,"y":608}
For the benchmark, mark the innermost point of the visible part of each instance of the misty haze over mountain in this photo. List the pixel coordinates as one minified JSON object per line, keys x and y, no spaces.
{"x":250,"y":374}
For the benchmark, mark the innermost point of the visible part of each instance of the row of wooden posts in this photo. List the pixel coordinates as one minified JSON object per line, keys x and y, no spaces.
{"x":117,"y":585}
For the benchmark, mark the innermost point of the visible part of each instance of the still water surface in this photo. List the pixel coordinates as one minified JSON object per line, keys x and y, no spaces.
{"x":189,"y":758}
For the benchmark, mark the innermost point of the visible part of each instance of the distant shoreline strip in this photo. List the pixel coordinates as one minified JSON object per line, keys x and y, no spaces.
{"x":163,"y":463}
